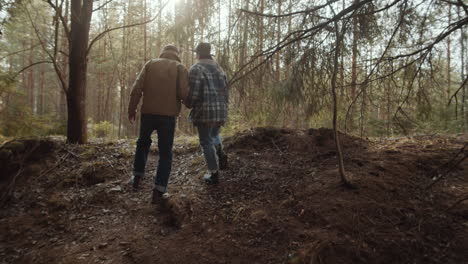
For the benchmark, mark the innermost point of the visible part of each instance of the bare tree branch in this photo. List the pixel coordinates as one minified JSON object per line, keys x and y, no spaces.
{"x":459,"y":89}
{"x":102,"y":6}
{"x":457,"y":3}
{"x":453,"y":27}
{"x":307,"y":11}
{"x":102,"y":34}
{"x":29,"y":66}
{"x":302,"y":34}
{"x":19,"y":51}
{"x":58,"y":12}
{"x":53,"y":59}
{"x":387,"y":47}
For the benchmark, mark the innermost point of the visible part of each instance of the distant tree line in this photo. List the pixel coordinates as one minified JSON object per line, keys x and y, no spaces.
{"x":395,"y":66}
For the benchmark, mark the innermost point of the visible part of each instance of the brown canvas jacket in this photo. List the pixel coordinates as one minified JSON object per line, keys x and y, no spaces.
{"x":163,"y":83}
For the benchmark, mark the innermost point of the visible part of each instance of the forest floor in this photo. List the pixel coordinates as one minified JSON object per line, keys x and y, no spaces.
{"x":280,"y":201}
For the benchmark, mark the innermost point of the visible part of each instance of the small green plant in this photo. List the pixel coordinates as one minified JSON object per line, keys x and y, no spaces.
{"x":102,"y":129}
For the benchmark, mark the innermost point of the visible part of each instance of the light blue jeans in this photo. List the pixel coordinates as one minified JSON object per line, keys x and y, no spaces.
{"x":210,"y":141}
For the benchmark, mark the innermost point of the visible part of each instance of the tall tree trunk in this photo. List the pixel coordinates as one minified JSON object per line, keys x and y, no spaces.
{"x":122,"y":78}
{"x":81,"y":12}
{"x":243,"y":50}
{"x":98,"y":92}
{"x":462,"y":72}
{"x":389,"y":105}
{"x":363,"y":115}
{"x":31,"y":79}
{"x":64,"y":63}
{"x":158,"y":41}
{"x":219,"y":28}
{"x":40,"y":95}
{"x":145,"y":35}
{"x":288,"y":66}
{"x":449,"y":78}
{"x":24,"y":79}
{"x":278,"y":39}
{"x":354,"y":65}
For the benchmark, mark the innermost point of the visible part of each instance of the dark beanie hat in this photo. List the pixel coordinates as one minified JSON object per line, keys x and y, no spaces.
{"x":203,"y":49}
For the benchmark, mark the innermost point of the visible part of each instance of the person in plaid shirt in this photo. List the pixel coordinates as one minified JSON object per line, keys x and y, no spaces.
{"x":208,"y":98}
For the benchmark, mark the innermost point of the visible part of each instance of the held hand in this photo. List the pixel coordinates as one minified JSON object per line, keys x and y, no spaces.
{"x":132,"y":118}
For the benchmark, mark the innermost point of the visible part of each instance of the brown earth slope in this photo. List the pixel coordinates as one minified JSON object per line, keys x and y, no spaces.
{"x":280,"y":201}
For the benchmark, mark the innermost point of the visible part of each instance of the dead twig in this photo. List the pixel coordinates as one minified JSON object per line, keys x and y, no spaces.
{"x":281,"y":152}
{"x":11,"y":185}
{"x":449,"y":166}
{"x":72,"y":153}
{"x":316,"y":250}
{"x":457,"y":203}
{"x":110,"y":163}
{"x":59,"y":161}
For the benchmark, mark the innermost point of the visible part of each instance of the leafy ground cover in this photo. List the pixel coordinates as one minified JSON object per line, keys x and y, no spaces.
{"x":280,"y":201}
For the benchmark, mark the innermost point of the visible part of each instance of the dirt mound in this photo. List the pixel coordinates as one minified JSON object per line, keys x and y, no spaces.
{"x":18,"y":159}
{"x":310,"y":140}
{"x":280,"y":201}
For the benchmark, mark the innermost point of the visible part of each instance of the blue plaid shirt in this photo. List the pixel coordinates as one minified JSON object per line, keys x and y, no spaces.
{"x":208,"y":96}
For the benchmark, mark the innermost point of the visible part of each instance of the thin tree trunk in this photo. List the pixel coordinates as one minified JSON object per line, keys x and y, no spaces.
{"x":278,"y":39}
{"x":388,"y":93}
{"x":462,"y":73}
{"x":145,"y":35}
{"x":449,"y":79}
{"x":346,"y":182}
{"x":64,"y":62}
{"x":243,"y":50}
{"x":354,"y":65}
{"x":219,"y":28}
{"x":288,"y":66}
{"x":24,"y":79}
{"x":40,"y":95}
{"x":122,"y":78}
{"x":158,"y":42}
{"x":31,"y":80}
{"x":99,"y":90}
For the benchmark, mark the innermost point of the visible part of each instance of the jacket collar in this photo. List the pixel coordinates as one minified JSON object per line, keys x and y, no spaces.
{"x":208,"y":61}
{"x":169,"y":55}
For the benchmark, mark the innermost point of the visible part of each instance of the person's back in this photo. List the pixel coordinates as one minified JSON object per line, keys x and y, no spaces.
{"x":163,"y":84}
{"x":208,"y":98}
{"x":209,"y":93}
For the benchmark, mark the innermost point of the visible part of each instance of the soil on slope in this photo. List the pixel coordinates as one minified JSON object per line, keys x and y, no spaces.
{"x":280,"y":201}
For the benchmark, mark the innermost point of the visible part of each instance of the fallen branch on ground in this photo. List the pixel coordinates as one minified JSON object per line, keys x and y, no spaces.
{"x":11,"y":185}
{"x":457,"y":203}
{"x":450,"y":165}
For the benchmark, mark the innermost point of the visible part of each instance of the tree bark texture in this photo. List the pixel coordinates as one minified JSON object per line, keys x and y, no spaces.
{"x":81,"y":12}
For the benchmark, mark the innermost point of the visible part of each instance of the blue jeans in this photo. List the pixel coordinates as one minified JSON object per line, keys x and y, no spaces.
{"x":165,"y":127}
{"x":210,"y":141}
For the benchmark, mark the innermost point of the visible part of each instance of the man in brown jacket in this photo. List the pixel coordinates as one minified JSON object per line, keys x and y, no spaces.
{"x":163,"y":84}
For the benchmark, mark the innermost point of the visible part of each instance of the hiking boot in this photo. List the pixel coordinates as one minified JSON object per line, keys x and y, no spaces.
{"x":135,"y":182}
{"x":159,"y":197}
{"x":223,"y":161}
{"x":211,"y":178}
